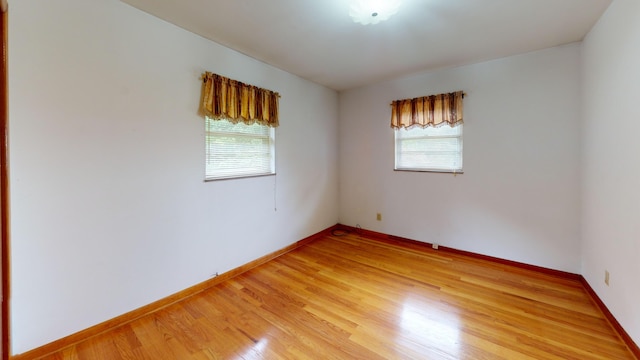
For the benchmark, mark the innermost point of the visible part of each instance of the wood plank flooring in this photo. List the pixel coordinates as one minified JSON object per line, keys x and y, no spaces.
{"x":350,"y":297}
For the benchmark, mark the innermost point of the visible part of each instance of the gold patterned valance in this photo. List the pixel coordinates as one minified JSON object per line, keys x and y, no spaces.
{"x":434,"y":110}
{"x":223,"y":98}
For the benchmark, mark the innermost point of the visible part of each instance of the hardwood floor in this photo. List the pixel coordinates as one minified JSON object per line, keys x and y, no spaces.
{"x":350,"y":297}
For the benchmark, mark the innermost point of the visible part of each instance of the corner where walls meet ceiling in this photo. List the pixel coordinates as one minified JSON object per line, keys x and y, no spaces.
{"x":319,"y":41}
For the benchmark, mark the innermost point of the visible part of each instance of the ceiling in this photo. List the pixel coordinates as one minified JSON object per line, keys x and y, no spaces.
{"x":318,"y":41}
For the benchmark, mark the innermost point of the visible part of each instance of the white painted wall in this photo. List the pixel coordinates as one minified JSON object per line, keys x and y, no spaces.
{"x":611,"y":171}
{"x":518,"y":198}
{"x":109,"y":208}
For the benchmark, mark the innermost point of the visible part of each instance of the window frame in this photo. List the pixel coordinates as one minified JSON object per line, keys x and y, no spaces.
{"x":449,"y":170}
{"x":271,"y":136}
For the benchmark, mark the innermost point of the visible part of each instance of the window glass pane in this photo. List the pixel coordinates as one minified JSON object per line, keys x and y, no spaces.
{"x":438,"y":149}
{"x":241,"y":128}
{"x":234,"y":150}
{"x":431,"y":131}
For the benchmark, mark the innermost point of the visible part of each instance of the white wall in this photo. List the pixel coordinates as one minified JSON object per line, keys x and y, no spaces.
{"x":518,"y":198}
{"x":109,"y":208}
{"x":611,"y":170}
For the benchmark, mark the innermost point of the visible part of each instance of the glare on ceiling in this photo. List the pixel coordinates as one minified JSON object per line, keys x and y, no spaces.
{"x":372,"y":12}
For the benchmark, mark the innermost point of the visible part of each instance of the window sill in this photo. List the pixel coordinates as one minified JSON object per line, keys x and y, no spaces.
{"x":432,"y":171}
{"x":233,"y":177}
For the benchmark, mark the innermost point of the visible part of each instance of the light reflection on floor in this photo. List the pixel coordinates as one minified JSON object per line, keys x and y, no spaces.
{"x":257,"y":351}
{"x":421,"y":324}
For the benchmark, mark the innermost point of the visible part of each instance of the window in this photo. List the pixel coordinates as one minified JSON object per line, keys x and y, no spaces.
{"x":238,"y":150}
{"x":428,"y":132}
{"x":239,"y":128}
{"x":429,"y":149}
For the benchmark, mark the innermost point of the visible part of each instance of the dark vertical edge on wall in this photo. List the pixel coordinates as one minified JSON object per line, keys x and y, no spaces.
{"x":4,"y":186}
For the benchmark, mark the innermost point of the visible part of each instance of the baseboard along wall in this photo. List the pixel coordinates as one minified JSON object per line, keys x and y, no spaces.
{"x":160,"y":304}
{"x":390,"y":239}
{"x":613,"y":322}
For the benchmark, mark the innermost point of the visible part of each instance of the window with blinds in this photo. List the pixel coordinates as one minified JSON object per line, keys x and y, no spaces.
{"x":238,"y":150}
{"x":430,"y":148}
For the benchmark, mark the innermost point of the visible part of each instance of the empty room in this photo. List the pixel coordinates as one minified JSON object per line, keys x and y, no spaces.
{"x":336,"y":179}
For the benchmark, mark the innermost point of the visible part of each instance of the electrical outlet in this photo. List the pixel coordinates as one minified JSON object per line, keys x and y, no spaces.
{"x":379,"y":216}
{"x":606,"y":277}
{"x":434,"y":246}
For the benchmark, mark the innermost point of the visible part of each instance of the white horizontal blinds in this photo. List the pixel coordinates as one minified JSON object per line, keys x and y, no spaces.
{"x":429,"y":148}
{"x":235,"y":150}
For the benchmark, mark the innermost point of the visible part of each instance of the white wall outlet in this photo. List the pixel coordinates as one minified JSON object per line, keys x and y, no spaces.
{"x":606,"y":277}
{"x":379,"y":216}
